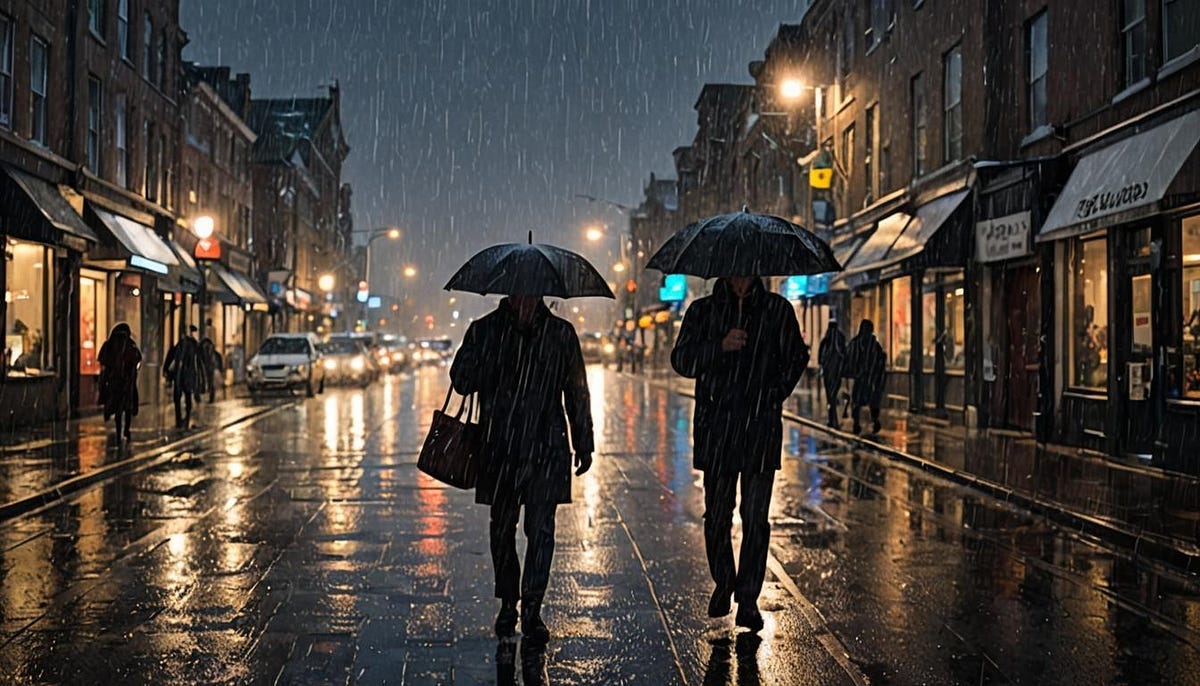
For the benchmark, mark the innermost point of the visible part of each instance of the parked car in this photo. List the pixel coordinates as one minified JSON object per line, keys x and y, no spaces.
{"x":592,"y":345}
{"x":287,"y":361}
{"x":346,"y":361}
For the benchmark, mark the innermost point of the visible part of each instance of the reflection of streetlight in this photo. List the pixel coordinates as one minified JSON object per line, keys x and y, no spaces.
{"x":619,"y":267}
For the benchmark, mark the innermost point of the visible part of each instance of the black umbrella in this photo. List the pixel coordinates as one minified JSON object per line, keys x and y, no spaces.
{"x":529,"y":269}
{"x":744,"y":244}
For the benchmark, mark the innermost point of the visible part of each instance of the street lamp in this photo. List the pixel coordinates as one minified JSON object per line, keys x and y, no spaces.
{"x":594,"y":234}
{"x":791,"y":89}
{"x":326,"y":282}
{"x":206,"y":251}
{"x":390,"y":232}
{"x":410,"y":271}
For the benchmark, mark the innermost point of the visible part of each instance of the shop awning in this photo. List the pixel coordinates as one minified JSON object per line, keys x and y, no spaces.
{"x":37,"y":206}
{"x":145,"y":249}
{"x":1122,"y":182}
{"x":901,"y":236}
{"x":184,"y":278}
{"x":873,"y":254}
{"x":240,"y":289}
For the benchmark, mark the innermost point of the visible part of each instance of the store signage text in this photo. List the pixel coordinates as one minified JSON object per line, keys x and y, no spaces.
{"x":1110,"y":201}
{"x":1002,"y":238}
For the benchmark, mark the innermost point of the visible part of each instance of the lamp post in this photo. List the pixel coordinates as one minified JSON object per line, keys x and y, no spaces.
{"x":207,"y":250}
{"x":390,"y":232}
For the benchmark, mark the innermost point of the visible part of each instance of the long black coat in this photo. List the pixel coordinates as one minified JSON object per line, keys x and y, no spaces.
{"x":523,"y":378}
{"x":867,"y":365}
{"x":185,"y":365}
{"x":119,"y":361}
{"x":738,"y":425}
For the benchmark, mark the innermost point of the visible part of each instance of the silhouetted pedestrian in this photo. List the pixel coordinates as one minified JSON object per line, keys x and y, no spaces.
{"x":525,"y":364}
{"x":184,"y":369}
{"x":867,"y":365}
{"x":214,"y":368}
{"x":743,"y":346}
{"x":831,"y":355}
{"x":119,"y":359}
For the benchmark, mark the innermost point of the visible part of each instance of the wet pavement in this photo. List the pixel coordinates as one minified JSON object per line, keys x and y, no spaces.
{"x":302,"y":546}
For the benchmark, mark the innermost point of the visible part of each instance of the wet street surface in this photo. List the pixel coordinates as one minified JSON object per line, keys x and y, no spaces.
{"x":302,"y":546}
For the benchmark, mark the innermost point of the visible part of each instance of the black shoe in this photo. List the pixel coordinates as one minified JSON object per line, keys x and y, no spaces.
{"x":748,"y":617}
{"x":857,"y":429}
{"x":876,"y":427}
{"x":532,"y":626}
{"x":719,"y":604}
{"x":506,"y":621}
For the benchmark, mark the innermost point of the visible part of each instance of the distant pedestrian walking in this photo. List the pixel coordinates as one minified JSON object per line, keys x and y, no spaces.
{"x":119,"y":362}
{"x":214,"y":368}
{"x":743,"y":346}
{"x":525,"y":364}
{"x":867,"y":365}
{"x":184,"y":369}
{"x":832,"y":356}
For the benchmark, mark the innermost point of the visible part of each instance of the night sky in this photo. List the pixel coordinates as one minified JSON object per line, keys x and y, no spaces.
{"x":474,"y":121}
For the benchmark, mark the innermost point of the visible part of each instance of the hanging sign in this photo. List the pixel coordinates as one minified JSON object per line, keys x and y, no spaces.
{"x":207,"y":249}
{"x":1002,"y":238}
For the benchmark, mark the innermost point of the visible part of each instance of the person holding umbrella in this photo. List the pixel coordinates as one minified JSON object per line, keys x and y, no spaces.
{"x":743,"y":346}
{"x":526,"y":366}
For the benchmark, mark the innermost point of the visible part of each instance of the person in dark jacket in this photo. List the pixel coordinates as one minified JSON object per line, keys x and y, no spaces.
{"x":867,"y":365}
{"x":184,"y":368}
{"x":831,"y":356}
{"x":214,"y":368}
{"x":743,"y":346}
{"x":119,"y":359}
{"x":525,"y":364}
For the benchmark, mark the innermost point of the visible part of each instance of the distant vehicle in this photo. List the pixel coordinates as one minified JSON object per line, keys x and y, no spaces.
{"x":397,"y":356}
{"x":592,"y":345}
{"x":287,"y":361}
{"x":346,"y":361}
{"x":432,"y":351}
{"x":370,"y":343}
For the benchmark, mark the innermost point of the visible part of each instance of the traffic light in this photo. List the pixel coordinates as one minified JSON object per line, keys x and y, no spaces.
{"x":363,"y":292}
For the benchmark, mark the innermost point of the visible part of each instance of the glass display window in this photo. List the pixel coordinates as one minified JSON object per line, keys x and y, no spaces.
{"x":28,"y":312}
{"x":1088,"y":312}
{"x":1190,"y":297}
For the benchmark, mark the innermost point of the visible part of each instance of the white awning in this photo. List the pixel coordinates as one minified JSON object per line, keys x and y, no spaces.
{"x":146,"y":250}
{"x":1124,"y":181}
{"x":924,"y":224}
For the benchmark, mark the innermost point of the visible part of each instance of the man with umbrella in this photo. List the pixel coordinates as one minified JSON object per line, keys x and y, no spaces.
{"x":743,"y":346}
{"x":526,"y":364}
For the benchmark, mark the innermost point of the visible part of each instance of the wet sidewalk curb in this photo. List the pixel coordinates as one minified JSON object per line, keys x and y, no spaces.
{"x":1175,"y":553}
{"x":147,"y":458}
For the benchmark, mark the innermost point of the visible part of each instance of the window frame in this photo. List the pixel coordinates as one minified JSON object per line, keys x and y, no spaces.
{"x":1036,"y":118}
{"x":1167,"y":57}
{"x":1127,"y":29}
{"x":8,"y":36}
{"x":46,"y":366}
{"x":870,"y":152}
{"x":919,"y":115}
{"x":147,"y":46}
{"x":97,"y":10}
{"x":124,"y":39}
{"x":952,"y":146}
{"x":95,"y":124}
{"x":39,"y":101}
{"x":121,"y":138}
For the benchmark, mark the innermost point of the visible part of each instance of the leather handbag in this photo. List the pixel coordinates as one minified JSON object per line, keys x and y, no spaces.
{"x":451,"y":452}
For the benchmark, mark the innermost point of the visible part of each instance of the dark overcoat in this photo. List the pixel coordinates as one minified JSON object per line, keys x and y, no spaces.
{"x":185,"y":365}
{"x":866,"y":363}
{"x":738,"y":425}
{"x":524,"y":378}
{"x":119,"y":361}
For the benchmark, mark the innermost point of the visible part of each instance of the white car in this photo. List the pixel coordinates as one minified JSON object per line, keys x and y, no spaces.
{"x":287,"y":361}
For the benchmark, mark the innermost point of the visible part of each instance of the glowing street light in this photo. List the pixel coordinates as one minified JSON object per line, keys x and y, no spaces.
{"x":619,"y":267}
{"x":594,"y":234}
{"x":410,"y":271}
{"x":203,"y":227}
{"x":791,"y":89}
{"x":326,"y":282}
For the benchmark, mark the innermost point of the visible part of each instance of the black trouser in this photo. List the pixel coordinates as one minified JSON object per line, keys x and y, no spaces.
{"x":539,"y":547}
{"x":183,"y":394}
{"x":123,"y":420}
{"x":832,"y":385}
{"x":719,"y":493}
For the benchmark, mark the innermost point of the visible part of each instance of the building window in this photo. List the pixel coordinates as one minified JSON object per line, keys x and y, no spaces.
{"x":920,"y":120}
{"x":954,"y":334}
{"x":1181,"y":28}
{"x":871,"y":131}
{"x":93,"y":320}
{"x":952,"y":132}
{"x":885,"y":169}
{"x":121,"y":122}
{"x":1088,"y":298}
{"x":6,"y":71}
{"x":899,"y":338}
{"x":847,"y":151}
{"x":1191,"y":307}
{"x":168,"y":180}
{"x":124,"y":43}
{"x":28,"y":308}
{"x":1036,"y":57}
{"x":95,"y":115}
{"x":147,"y":47}
{"x":160,"y":64}
{"x":96,"y":18}
{"x":39,"y":65}
{"x":881,"y":19}
{"x":152,"y":153}
{"x":846,"y":52}
{"x":1133,"y":39}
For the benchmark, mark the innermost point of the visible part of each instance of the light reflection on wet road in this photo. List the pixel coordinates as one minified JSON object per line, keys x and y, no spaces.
{"x":304,"y":547}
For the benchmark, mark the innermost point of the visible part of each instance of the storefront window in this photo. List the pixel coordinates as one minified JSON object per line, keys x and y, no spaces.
{"x":900,"y":343}
{"x":955,"y":340}
{"x":929,"y":325}
{"x":92,"y":323}
{"x":1191,"y":307}
{"x":28,"y":299}
{"x":1089,"y":312}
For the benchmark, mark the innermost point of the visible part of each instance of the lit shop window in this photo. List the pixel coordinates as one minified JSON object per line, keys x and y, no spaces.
{"x":28,"y":301}
{"x":1088,"y":338}
{"x":900,"y":338}
{"x":1191,"y":307}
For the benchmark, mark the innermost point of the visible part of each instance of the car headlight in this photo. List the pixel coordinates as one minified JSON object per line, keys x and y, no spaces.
{"x":301,"y":369}
{"x":357,"y":364}
{"x":330,"y":365}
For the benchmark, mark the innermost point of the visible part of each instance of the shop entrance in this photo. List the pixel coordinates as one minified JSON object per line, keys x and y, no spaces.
{"x":1140,"y":426}
{"x":1015,"y":391}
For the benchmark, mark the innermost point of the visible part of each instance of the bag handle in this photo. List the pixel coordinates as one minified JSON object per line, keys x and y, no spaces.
{"x":467,"y":403}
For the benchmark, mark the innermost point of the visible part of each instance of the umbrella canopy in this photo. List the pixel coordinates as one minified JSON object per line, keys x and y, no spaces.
{"x":529,"y":269}
{"x":744,"y":244}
